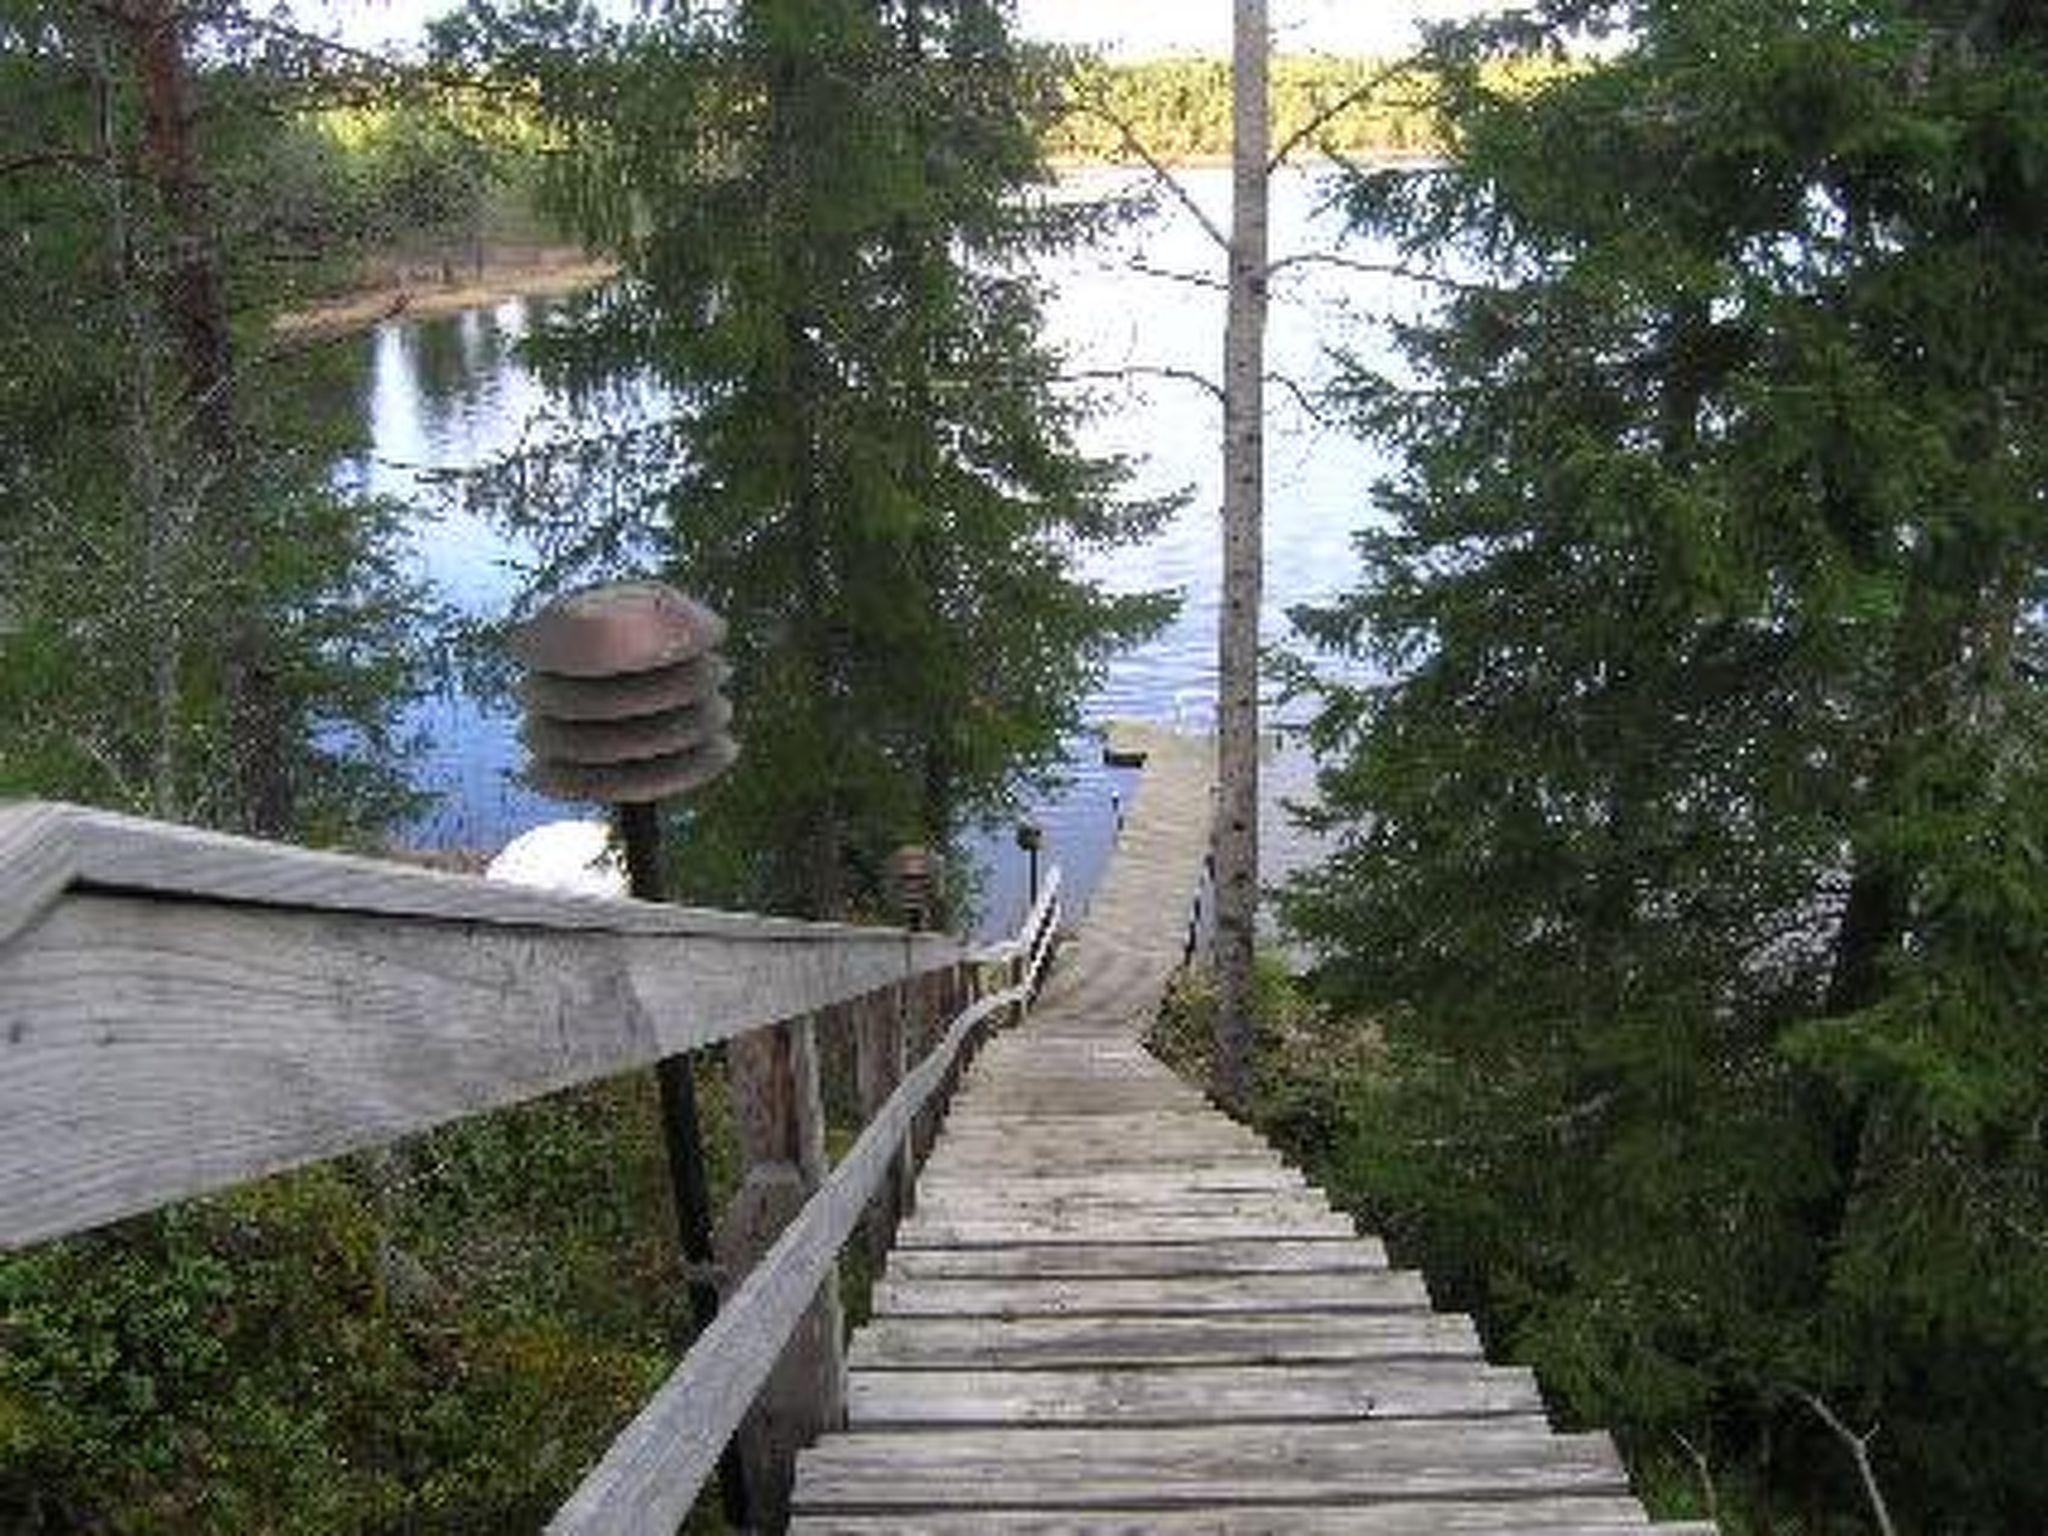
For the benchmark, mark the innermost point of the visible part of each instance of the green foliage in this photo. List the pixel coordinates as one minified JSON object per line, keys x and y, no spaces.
{"x":161,"y":545}
{"x":439,"y":175}
{"x":1690,"y":856}
{"x":821,"y":216}
{"x":438,"y":1337}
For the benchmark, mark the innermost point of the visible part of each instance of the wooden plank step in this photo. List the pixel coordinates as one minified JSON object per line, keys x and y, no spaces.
{"x":1189,"y":1394}
{"x":1070,"y":1120}
{"x":988,"y":1182}
{"x":1160,"y":1196}
{"x":1195,"y":1467}
{"x":1598,"y":1515}
{"x":1104,"y":1225}
{"x":1114,"y":1143}
{"x":1106,"y":1172}
{"x":1098,"y":1132}
{"x":1086,"y":1154}
{"x":1376,"y":1290}
{"x":1055,"y":1342}
{"x":1074,"y":1261}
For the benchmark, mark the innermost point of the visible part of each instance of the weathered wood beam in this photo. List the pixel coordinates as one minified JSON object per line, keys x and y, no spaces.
{"x":47,"y":848}
{"x":180,"y":1012}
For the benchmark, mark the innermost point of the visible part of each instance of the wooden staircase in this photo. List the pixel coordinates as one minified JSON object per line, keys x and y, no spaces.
{"x":1116,"y":1310}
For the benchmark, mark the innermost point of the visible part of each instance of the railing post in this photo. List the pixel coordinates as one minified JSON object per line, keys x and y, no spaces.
{"x":928,"y":1017}
{"x":879,"y":1064}
{"x":779,"y":1118}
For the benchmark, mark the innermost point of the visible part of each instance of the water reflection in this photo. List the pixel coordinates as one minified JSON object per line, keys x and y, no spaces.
{"x":452,"y":393}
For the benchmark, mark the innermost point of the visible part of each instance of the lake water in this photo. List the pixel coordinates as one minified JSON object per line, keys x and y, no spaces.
{"x":451,"y":394}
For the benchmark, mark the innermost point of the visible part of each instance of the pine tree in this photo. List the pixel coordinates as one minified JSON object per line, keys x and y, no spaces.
{"x":1691,"y":854}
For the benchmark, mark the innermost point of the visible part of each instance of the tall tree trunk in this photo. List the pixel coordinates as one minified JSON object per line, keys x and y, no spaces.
{"x":913,"y":256}
{"x":193,"y":297}
{"x":1244,"y":362}
{"x":162,"y":529}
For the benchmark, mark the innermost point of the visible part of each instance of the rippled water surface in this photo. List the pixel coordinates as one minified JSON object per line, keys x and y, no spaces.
{"x":1133,"y":317}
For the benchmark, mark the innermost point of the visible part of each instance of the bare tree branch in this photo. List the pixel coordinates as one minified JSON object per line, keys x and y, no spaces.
{"x":1374,"y":269}
{"x":1335,"y":110}
{"x":1859,"y":1449}
{"x":1708,"y":1490}
{"x":1302,"y":396}
{"x":1147,"y":371}
{"x":1095,"y":106}
{"x":53,"y":159}
{"x":1563,"y":1122}
{"x":1144,"y":268}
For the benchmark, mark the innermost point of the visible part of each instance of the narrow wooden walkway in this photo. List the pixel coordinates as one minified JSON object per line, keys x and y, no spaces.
{"x":1116,"y":1310}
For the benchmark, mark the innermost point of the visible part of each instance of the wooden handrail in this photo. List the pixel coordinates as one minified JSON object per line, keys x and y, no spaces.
{"x":652,"y":1474}
{"x":1005,"y":951}
{"x":1040,"y":934}
{"x":182,"y":1011}
{"x":47,"y":849}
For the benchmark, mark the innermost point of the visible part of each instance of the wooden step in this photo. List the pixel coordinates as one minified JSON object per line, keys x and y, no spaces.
{"x":1200,"y":1467}
{"x":1189,"y":1394}
{"x":1079,"y":1262}
{"x":1080,"y":1342}
{"x":1115,"y":1310}
{"x":1592,"y":1516}
{"x":1378,"y":1290}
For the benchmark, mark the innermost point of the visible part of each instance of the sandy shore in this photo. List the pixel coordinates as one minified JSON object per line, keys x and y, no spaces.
{"x":421,"y":294}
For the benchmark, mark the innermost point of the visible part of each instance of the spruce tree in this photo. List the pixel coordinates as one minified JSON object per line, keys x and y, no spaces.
{"x":824,"y":209}
{"x":1691,"y":852}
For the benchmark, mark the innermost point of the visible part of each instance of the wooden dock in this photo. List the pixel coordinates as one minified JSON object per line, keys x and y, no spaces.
{"x":1116,"y":1310}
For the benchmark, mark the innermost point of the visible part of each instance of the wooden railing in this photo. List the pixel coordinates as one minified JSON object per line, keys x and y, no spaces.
{"x":181,"y":1012}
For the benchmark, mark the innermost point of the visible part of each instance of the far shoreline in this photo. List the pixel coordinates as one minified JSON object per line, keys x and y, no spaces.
{"x":394,"y":290}
{"x":404,"y":294}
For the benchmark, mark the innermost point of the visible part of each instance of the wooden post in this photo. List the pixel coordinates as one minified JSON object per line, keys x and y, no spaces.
{"x":878,"y":1067}
{"x":779,"y":1118}
{"x":929,"y":1015}
{"x":683,"y":1140}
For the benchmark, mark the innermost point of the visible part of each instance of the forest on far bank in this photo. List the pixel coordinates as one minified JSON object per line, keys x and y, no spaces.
{"x":433,"y":184}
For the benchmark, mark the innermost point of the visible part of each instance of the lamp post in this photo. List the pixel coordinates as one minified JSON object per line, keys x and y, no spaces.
{"x":1031,"y":837}
{"x":623,"y":707}
{"x":913,"y":878}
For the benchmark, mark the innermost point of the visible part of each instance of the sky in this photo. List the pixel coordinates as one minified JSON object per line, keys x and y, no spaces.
{"x":1131,"y":28}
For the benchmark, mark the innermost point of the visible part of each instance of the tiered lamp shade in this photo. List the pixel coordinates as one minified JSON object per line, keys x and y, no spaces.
{"x":622,"y":695}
